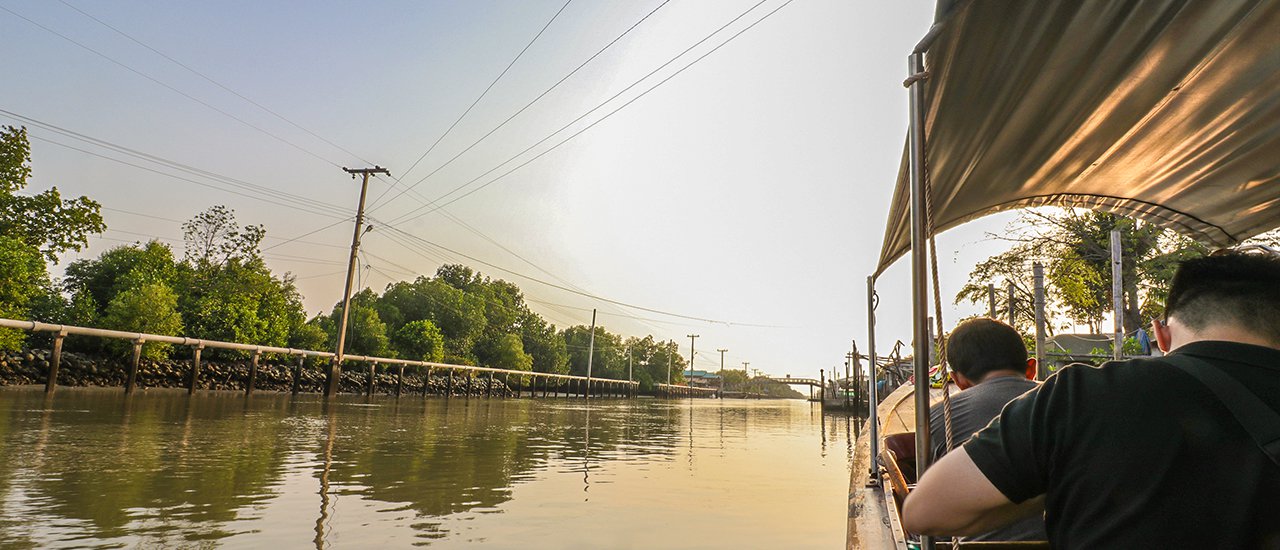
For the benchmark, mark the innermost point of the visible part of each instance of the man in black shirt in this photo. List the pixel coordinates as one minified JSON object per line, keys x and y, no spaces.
{"x":988,"y":360}
{"x":1137,"y":453}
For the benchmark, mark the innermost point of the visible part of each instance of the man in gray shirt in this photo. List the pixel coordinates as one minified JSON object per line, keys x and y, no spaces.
{"x":989,"y":363}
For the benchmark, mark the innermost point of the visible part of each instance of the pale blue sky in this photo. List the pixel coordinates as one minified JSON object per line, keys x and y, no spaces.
{"x":750,"y":188}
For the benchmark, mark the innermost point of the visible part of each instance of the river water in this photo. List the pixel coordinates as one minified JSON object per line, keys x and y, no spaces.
{"x":94,"y":469}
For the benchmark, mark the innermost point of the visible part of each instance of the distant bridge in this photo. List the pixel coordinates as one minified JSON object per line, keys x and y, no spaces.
{"x":797,"y":381}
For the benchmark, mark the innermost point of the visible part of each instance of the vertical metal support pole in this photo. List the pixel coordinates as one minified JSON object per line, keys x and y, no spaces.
{"x":335,"y":369}
{"x":1012,"y":319}
{"x":253,"y":372}
{"x":132,"y":382}
{"x":991,"y":300}
{"x":399,"y":379}
{"x":297,"y":375}
{"x":449,"y":392}
{"x":872,"y":398}
{"x":1117,"y":295}
{"x":1042,"y":370}
{"x":371,"y":381}
{"x":195,"y":370}
{"x":51,"y":382}
{"x":470,"y":383}
{"x":692,"y":355}
{"x":919,"y":268}
{"x":426,"y":382}
{"x":591,"y":353}
{"x":488,"y":390}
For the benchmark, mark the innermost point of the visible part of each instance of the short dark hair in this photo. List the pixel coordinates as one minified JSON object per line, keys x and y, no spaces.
{"x":1232,"y":288}
{"x":981,"y":345}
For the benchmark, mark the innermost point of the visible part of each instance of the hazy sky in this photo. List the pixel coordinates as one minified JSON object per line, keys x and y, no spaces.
{"x":751,"y":188}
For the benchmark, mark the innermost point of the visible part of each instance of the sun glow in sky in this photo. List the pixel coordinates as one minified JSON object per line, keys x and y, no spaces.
{"x":749,"y":188}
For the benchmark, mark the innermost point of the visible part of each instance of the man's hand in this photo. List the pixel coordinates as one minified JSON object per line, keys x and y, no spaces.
{"x":954,"y":498}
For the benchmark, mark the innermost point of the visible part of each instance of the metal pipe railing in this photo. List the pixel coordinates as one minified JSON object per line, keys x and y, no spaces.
{"x":140,"y":338}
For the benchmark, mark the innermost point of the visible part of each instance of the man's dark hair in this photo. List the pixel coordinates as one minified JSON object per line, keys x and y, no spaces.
{"x":980,"y":346}
{"x":1233,"y":288}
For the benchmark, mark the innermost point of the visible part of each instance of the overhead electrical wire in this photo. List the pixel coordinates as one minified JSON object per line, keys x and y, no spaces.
{"x":427,"y":243}
{"x":436,"y":205}
{"x":299,"y":202}
{"x":485,"y":92}
{"x":171,"y":88}
{"x":214,"y":82}
{"x":410,"y":188}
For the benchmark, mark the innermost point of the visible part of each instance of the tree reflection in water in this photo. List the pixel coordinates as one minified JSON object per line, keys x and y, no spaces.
{"x":94,"y":468}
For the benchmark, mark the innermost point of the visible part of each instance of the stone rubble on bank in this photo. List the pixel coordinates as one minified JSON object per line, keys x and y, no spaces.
{"x":31,"y":367}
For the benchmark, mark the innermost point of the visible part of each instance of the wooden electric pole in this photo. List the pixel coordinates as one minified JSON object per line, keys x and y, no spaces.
{"x":335,"y":369}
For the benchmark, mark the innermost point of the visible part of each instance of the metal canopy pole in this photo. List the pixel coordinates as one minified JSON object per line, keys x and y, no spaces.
{"x":919,"y":267}
{"x":872,"y":398}
{"x":1037,"y":271}
{"x":1117,"y":295}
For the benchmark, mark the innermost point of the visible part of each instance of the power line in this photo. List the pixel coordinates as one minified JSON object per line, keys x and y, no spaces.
{"x":437,"y":205}
{"x":171,"y":88}
{"x":482,"y":94}
{"x":303,"y":203}
{"x":570,"y":290}
{"x":212,"y":81}
{"x":161,"y":218}
{"x":189,"y":180}
{"x":521,"y":110}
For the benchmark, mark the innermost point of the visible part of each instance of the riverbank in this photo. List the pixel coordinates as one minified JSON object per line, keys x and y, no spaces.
{"x":31,"y":367}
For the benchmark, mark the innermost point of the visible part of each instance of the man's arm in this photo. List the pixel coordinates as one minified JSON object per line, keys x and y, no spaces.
{"x":954,"y":498}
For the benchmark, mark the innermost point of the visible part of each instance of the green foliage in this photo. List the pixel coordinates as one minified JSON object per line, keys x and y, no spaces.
{"x":507,"y":352}
{"x":212,"y":237}
{"x":1075,"y":248}
{"x":119,"y":269}
{"x":239,"y":303}
{"x":366,"y":333}
{"x":150,"y":308}
{"x":230,"y":294}
{"x":419,"y":340}
{"x":43,"y":220}
{"x":310,"y":336}
{"x":23,"y":282}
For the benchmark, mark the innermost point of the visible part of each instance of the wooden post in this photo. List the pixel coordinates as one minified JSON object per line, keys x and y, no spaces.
{"x":297,"y":375}
{"x":195,"y":370}
{"x":470,"y":383}
{"x":132,"y":383}
{"x":253,"y":372}
{"x":399,"y":379}
{"x":488,"y":390}
{"x":373,"y":366}
{"x":1117,"y":296}
{"x":450,"y":391}
{"x":426,"y":382}
{"x":52,"y":381}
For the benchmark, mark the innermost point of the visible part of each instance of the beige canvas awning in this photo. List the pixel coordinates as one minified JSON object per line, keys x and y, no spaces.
{"x":1166,"y":111}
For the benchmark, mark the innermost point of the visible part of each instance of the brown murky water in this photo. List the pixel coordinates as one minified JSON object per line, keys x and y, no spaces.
{"x":93,"y":469}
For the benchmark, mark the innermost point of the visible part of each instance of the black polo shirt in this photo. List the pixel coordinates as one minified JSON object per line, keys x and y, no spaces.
{"x":1138,"y":454}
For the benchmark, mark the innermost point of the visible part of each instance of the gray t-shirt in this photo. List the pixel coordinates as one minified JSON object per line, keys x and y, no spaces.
{"x":971,"y":411}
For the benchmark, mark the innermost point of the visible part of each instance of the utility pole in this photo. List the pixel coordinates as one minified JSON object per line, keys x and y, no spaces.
{"x":669,"y":356}
{"x":722,"y":369}
{"x":591,"y":352}
{"x":335,"y":369}
{"x":746,"y":376}
{"x":692,"y":337}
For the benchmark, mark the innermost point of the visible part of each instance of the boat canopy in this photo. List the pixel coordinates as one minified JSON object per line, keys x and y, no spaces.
{"x":1162,"y":110}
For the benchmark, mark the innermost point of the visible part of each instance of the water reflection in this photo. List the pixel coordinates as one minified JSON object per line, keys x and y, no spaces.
{"x":95,"y":469}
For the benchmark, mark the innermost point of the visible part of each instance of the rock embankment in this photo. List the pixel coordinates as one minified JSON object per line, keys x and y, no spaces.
{"x":32,"y":367}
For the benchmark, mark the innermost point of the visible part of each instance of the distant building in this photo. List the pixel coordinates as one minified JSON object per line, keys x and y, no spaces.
{"x":701,"y":379}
